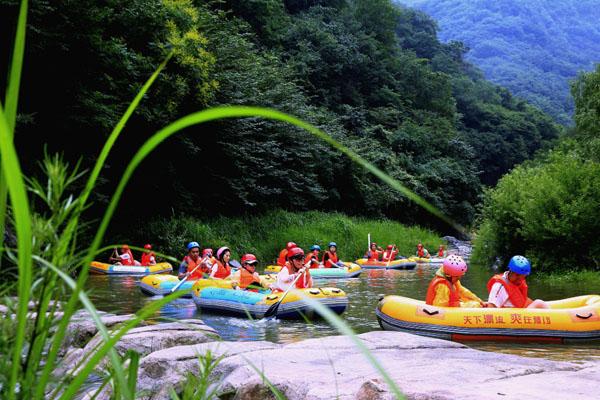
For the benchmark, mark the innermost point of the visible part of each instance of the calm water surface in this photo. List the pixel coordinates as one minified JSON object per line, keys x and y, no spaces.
{"x":121,"y":295}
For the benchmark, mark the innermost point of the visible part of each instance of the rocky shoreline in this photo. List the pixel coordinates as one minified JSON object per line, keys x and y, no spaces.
{"x":329,"y":367}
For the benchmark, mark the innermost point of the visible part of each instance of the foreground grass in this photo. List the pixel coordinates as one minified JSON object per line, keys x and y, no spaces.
{"x":267,"y":234}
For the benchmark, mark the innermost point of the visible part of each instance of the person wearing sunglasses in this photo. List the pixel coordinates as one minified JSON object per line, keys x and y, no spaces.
{"x":290,"y":271}
{"x":247,"y":276}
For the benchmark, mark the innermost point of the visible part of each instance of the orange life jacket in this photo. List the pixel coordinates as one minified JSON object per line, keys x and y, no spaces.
{"x":516,"y":294}
{"x":247,"y":278}
{"x":302,"y":283}
{"x":282,"y":257}
{"x":331,"y":259}
{"x":310,"y":257}
{"x":191,"y":266}
{"x":147,"y":258}
{"x":454,"y":300}
{"x":373,"y":255}
{"x":223,"y":271}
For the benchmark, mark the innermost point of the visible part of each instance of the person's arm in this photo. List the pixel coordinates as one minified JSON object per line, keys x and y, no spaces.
{"x":466,"y":294}
{"x":442,"y":296}
{"x":182,"y":269}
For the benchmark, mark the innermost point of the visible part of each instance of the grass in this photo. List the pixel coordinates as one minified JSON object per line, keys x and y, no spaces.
{"x":267,"y":234}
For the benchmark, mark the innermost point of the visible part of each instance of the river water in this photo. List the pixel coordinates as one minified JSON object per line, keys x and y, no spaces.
{"x":121,"y":294}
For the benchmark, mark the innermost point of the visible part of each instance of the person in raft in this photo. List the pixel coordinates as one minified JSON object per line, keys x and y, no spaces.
{"x":125,"y":258}
{"x":221,"y":269}
{"x":282,"y":259}
{"x":290,"y":271}
{"x":374,"y":252}
{"x":312,"y":259}
{"x":422,"y":251}
{"x":247,"y":276}
{"x":441,"y":251}
{"x":148,"y":255}
{"x":192,"y":265}
{"x":445,"y":289}
{"x":390,"y":253}
{"x":510,"y":288}
{"x":330,"y":258}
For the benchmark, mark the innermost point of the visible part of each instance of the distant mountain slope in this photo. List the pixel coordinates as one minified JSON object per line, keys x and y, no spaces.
{"x":534,"y":47}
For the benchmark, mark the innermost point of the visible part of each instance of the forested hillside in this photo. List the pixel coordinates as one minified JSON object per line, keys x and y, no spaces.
{"x":371,"y":74}
{"x":534,"y":48}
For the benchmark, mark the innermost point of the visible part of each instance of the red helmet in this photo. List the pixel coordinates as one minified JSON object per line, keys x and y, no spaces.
{"x":295,"y":252}
{"x":249,"y":259}
{"x":148,"y":246}
{"x":390,"y":246}
{"x":125,"y":247}
{"x":290,"y":245}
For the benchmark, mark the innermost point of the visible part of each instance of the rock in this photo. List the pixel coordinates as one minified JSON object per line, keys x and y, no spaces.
{"x":333,"y":367}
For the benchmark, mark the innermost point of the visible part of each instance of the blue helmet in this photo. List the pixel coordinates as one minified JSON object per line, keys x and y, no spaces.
{"x":315,"y":247}
{"x":332,"y":244}
{"x":519,"y":265}
{"x":191,"y":245}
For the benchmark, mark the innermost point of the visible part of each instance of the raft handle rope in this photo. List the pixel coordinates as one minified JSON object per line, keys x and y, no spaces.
{"x":582,"y":317}
{"x":314,"y":291}
{"x":336,"y":290}
{"x":426,"y":311}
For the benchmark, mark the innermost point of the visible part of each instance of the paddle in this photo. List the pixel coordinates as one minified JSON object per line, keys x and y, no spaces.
{"x":390,"y":257}
{"x":273,"y":309}
{"x":188,"y":274}
{"x":235,"y":264}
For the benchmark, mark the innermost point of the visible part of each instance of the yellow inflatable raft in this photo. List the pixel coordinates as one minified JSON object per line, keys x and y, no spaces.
{"x":403,"y":263}
{"x":163,"y":284}
{"x":349,"y":270}
{"x":110,"y":269}
{"x":568,"y":320}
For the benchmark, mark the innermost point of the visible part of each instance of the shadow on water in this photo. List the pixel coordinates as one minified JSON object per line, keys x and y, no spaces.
{"x":122,"y":295}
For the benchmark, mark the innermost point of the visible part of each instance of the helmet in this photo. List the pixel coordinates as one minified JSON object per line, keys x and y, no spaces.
{"x":519,"y":265}
{"x":207,"y":252}
{"x":125,"y":247}
{"x":148,"y":246}
{"x":294,"y":252}
{"x":249,"y":259}
{"x":390,"y":246}
{"x":454,"y":265}
{"x":191,"y":245}
{"x":289,"y":245}
{"x":334,"y":244}
{"x":315,"y":247}
{"x":222,"y":251}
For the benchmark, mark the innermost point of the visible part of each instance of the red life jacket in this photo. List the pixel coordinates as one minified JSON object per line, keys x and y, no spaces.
{"x":247,"y":278}
{"x":387,"y":256}
{"x":223,"y":271}
{"x":331,"y":259}
{"x":191,"y":265}
{"x":441,"y":253}
{"x":373,"y":255}
{"x":304,"y":282}
{"x":147,"y":258}
{"x":129,"y":261}
{"x":454,"y":300}
{"x":282,"y":257}
{"x":312,"y":256}
{"x":516,"y":294}
{"x":421,"y":252}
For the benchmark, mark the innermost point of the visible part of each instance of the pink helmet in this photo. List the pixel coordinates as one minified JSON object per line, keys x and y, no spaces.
{"x":221,"y":252}
{"x":455,"y":265}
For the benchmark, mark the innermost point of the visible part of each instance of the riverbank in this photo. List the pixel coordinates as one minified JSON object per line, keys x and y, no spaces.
{"x":331,"y":367}
{"x":265,"y":235}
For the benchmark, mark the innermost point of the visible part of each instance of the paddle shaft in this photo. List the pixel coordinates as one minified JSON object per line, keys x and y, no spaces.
{"x":188,"y":274}
{"x":273,"y":309}
{"x":390,"y":257}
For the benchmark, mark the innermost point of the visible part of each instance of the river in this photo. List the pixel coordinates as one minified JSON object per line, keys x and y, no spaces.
{"x":120,"y":294}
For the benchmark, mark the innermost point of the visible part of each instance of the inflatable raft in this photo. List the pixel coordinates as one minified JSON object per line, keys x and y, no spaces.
{"x":568,"y":320}
{"x":394,"y":264}
{"x":163,"y":284}
{"x":350,"y":270}
{"x":110,"y":269}
{"x":423,"y":260}
{"x":244,"y":303}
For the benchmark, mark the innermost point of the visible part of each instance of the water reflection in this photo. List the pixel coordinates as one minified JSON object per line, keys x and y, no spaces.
{"x":122,"y":295}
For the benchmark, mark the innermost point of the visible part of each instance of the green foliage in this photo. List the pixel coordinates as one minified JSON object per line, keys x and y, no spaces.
{"x":586,"y":92}
{"x":201,"y":385}
{"x":265,"y":236}
{"x":534,"y":48}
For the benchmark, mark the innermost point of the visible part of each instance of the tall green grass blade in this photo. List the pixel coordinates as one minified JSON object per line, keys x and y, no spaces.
{"x":69,"y":232}
{"x":134,"y":363}
{"x":12,"y":100}
{"x":22,"y":215}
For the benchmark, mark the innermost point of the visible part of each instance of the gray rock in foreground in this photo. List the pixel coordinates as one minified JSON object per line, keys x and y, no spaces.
{"x":332,"y":367}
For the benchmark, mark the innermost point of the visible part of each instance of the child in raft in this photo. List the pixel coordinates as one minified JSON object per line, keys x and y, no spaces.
{"x":445,"y":289}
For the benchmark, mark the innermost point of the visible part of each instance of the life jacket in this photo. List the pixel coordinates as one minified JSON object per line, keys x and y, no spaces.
{"x":516,"y":294}
{"x":223,"y":271}
{"x":247,"y":278}
{"x":454,"y":300}
{"x":282,"y":257}
{"x":372,"y":255}
{"x":304,"y":281}
{"x":147,"y":258}
{"x":441,"y":253}
{"x":331,"y":259}
{"x":310,"y":257}
{"x":421,"y":252}
{"x":191,"y":266}
{"x":387,"y":256}
{"x":127,"y":261}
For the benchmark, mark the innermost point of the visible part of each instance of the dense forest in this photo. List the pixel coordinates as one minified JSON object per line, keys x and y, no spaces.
{"x":371,"y":74}
{"x":534,"y":48}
